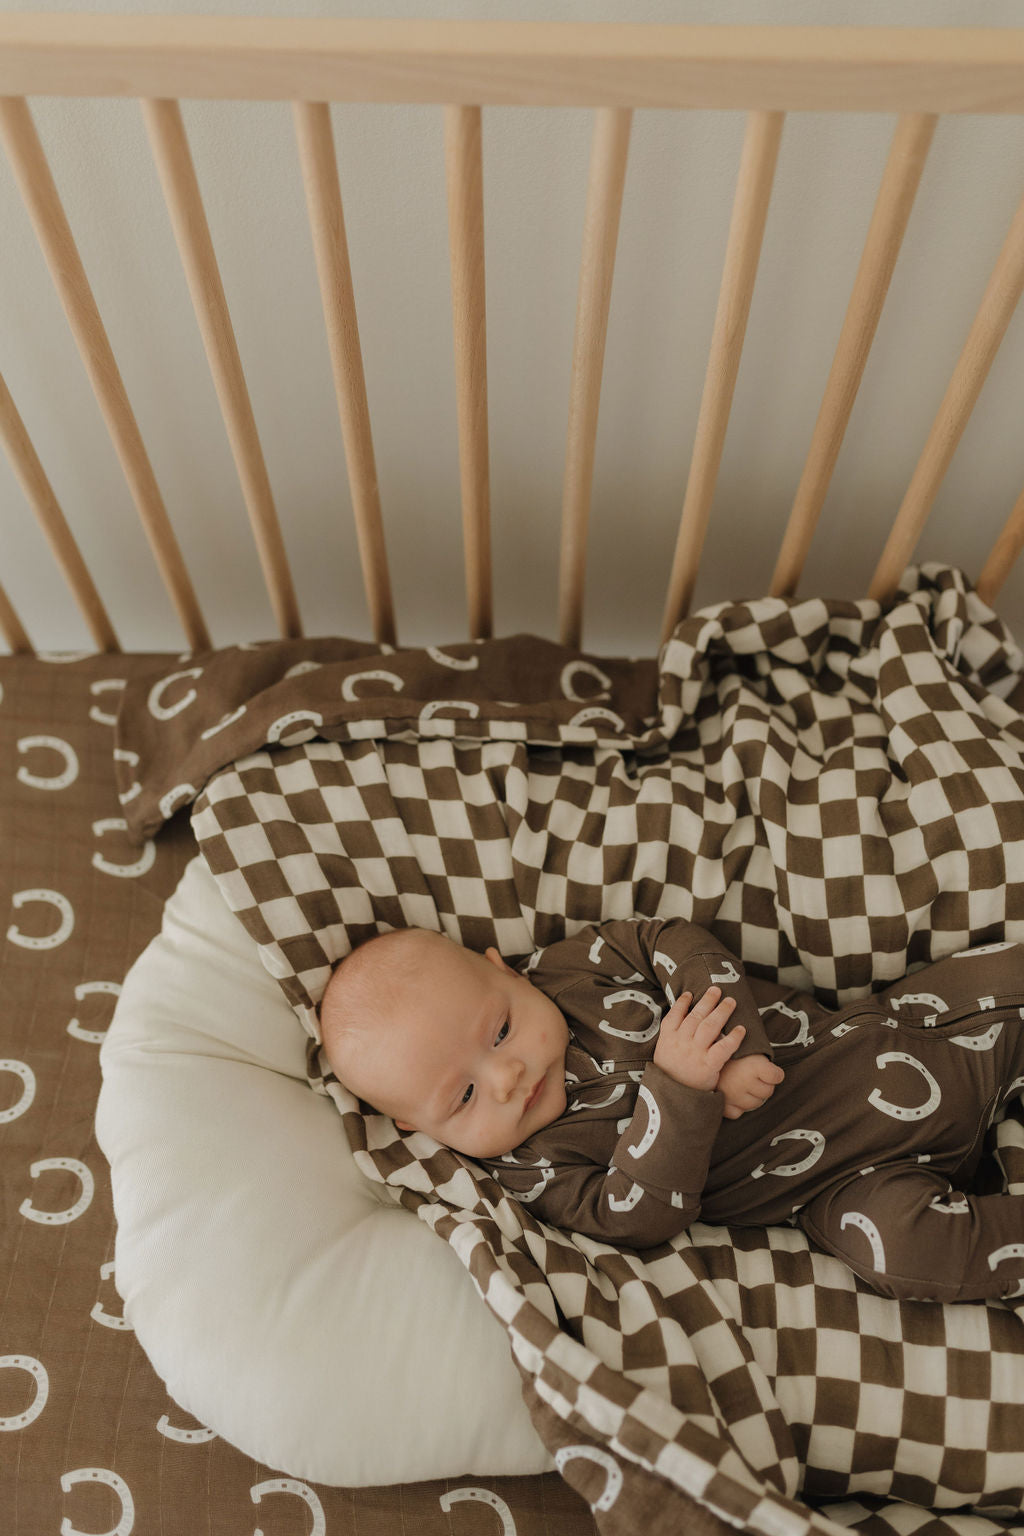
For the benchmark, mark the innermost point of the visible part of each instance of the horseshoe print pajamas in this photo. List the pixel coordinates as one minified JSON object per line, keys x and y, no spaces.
{"x":869,"y":1144}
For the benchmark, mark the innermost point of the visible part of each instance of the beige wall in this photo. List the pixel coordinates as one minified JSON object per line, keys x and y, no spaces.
{"x":680,"y":182}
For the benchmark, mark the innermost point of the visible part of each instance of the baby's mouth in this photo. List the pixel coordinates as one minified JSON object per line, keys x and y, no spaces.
{"x":534,"y":1096}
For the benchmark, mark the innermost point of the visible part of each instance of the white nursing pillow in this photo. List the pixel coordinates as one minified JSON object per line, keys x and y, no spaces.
{"x":290,"y":1309}
{"x":284,"y":1304}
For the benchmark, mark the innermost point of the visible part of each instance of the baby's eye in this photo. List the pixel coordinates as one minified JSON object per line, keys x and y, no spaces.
{"x":466,"y":1096}
{"x":502,"y":1032}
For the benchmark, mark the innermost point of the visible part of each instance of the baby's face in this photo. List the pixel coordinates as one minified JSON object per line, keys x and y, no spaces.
{"x":475,"y":1057}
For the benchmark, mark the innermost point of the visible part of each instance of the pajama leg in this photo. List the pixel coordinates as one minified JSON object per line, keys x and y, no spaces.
{"x":908,"y":1233}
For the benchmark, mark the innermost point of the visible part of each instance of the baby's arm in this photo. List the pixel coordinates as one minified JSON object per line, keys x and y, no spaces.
{"x":653,"y":1186}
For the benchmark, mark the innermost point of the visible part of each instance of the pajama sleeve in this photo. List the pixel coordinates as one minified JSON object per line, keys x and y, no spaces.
{"x":667,"y":956}
{"x":651,"y":1188}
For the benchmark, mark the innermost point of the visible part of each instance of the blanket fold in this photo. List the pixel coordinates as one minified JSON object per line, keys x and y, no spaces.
{"x":837,"y":791}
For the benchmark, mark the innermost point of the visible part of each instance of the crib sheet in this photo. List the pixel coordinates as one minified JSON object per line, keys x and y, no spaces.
{"x":88,"y":1434}
{"x":835,"y":790}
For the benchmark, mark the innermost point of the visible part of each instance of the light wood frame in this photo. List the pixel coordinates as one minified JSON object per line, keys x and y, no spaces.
{"x":464,"y":67}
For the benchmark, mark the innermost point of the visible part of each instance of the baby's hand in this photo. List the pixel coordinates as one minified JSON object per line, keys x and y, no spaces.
{"x":691,"y":1047}
{"x":747,"y":1083}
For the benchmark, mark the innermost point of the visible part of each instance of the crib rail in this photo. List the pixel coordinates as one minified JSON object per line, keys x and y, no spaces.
{"x":464,"y":67}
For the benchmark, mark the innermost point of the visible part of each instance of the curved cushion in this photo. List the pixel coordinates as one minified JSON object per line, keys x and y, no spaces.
{"x":282,"y":1303}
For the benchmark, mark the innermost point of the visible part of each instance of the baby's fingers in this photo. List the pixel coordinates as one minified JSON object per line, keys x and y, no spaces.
{"x":726,"y":1046}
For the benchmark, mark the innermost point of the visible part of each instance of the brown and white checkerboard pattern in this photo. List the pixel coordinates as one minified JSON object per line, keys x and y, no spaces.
{"x":839,"y":795}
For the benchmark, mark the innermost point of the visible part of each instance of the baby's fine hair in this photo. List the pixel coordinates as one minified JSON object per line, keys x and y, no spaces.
{"x":359,"y":996}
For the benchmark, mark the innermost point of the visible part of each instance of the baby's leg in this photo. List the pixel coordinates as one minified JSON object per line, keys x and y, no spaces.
{"x":908,"y":1233}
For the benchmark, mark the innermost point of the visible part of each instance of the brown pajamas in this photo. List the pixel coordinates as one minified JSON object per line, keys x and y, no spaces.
{"x":870,"y":1143}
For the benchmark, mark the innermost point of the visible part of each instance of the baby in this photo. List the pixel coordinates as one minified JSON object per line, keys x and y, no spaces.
{"x":618,"y":1084}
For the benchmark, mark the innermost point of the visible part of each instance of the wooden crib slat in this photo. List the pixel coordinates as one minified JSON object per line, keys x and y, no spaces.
{"x":330,"y":247}
{"x":605,"y":186}
{"x":994,"y":314}
{"x":743,"y":250}
{"x":12,"y":629}
{"x":464,"y":169}
{"x":39,"y":492}
{"x":1003,"y":554}
{"x":900,"y":181}
{"x":49,"y":220}
{"x":174,"y":164}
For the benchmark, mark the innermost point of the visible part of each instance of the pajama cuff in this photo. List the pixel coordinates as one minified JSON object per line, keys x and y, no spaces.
{"x":666,"y":1147}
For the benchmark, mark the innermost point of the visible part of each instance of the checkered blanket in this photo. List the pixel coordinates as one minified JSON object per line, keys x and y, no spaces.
{"x":837,"y":792}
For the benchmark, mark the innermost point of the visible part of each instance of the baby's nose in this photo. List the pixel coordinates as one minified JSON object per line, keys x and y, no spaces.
{"x":507,"y":1075}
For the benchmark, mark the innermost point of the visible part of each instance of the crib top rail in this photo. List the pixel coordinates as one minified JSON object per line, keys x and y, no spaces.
{"x":466,"y":67}
{"x":488,"y":63}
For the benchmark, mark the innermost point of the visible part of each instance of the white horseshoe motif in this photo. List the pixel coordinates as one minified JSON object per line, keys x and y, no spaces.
{"x":301,"y":1491}
{"x":225,"y":721}
{"x":482,"y":1496}
{"x":803,"y":1035}
{"x":164,"y":711}
{"x":457,"y":663}
{"x":597,"y":712}
{"x":62,"y":658}
{"x":430,"y":710}
{"x":144,"y":862}
{"x":86,"y":989}
{"x":983,"y":1042}
{"x":871,"y":1232}
{"x":665,"y":961}
{"x":184,"y":1436}
{"x":525,"y":1196}
{"x":101,"y":1475}
{"x":51,"y":940}
{"x":303,"y":666}
{"x":1014,"y":1087}
{"x":67,"y":775}
{"x":591,"y":1453}
{"x":175,"y":798}
{"x":123,"y":755}
{"x":109,"y":1319}
{"x":28,"y":1090}
{"x":594,"y":952}
{"x":72,"y":1213}
{"x":348,"y":685}
{"x":636,"y":1036}
{"x":568,"y":681}
{"x":37,"y":1371}
{"x":628,"y":1202}
{"x":983,"y":949}
{"x":928,"y":999}
{"x":898,"y":1111}
{"x":1007,"y":1251}
{"x":613,"y":1098}
{"x":788,"y":1170}
{"x":649,"y":1136}
{"x":726,"y":977}
{"x":306,"y":732}
{"x":104,"y":685}
{"x":950,"y":1205}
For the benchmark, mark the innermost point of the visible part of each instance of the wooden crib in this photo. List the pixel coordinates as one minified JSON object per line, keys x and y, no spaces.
{"x":97,"y":1401}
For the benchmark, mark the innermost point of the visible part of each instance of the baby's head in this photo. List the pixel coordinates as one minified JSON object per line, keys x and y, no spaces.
{"x":446,"y":1041}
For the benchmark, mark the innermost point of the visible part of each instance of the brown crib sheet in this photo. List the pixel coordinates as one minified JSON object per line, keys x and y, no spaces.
{"x":88,"y":1433}
{"x":908,"y":700}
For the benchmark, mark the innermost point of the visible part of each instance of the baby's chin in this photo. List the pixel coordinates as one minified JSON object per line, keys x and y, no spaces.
{"x":523,"y":1141}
